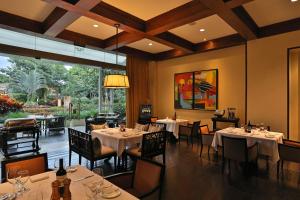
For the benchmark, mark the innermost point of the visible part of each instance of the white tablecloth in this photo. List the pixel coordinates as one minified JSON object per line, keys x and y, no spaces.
{"x":77,"y":188}
{"x":267,"y":145}
{"x":117,"y":140}
{"x":173,"y":125}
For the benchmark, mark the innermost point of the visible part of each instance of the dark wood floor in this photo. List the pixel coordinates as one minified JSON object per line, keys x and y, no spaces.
{"x":190,"y":177}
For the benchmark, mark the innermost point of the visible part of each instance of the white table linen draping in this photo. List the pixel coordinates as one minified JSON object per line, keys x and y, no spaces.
{"x":173,"y":125}
{"x":77,"y":188}
{"x":266,"y":145}
{"x":119,"y":141}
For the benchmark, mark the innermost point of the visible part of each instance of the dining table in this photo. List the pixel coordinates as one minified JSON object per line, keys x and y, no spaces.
{"x":118,"y":140}
{"x":39,"y":186}
{"x":173,"y":125}
{"x":267,"y":141}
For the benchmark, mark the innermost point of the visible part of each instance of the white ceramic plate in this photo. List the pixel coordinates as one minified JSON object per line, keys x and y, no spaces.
{"x":111,"y":195}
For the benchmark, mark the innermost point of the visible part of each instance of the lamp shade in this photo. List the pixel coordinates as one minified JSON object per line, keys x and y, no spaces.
{"x":116,"y":81}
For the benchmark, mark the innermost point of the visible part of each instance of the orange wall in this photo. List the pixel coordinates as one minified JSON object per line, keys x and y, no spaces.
{"x":267,"y":80}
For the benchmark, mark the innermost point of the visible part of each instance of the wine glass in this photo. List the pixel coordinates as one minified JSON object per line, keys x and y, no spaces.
{"x":23,"y":177}
{"x":11,"y":177}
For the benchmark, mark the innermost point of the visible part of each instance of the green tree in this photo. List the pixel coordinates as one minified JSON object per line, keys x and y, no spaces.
{"x":29,"y":83}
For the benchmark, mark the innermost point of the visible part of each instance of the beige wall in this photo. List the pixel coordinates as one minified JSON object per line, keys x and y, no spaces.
{"x":229,"y":62}
{"x":267,"y":80}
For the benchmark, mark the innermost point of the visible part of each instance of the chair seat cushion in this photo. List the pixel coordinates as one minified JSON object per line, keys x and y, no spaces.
{"x":136,"y":152}
{"x":291,"y":143}
{"x":105,"y":150}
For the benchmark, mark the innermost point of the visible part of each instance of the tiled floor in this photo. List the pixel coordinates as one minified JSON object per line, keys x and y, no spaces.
{"x":189,"y":177}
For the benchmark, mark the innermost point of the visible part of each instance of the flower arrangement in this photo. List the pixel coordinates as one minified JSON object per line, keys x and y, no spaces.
{"x":8,"y":104}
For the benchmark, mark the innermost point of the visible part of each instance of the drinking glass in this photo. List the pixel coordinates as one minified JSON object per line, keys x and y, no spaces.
{"x":11,"y":177}
{"x":23,"y":177}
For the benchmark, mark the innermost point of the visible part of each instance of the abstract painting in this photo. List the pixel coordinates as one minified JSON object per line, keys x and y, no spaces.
{"x":183,"y":90}
{"x":206,"y":90}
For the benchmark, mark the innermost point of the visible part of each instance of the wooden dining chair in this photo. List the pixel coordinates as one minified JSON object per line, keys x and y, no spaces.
{"x":144,"y":182}
{"x":153,"y":144}
{"x":236,"y":149}
{"x":288,"y":151}
{"x":205,"y":137}
{"x":188,"y":132}
{"x":91,"y":149}
{"x":35,"y":164}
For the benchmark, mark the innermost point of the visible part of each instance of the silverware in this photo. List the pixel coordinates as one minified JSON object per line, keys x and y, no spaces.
{"x":80,"y":179}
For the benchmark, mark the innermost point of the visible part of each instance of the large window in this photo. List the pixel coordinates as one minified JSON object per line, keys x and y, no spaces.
{"x":30,"y":86}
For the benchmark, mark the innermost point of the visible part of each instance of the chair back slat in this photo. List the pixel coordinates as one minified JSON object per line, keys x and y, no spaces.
{"x":235,"y":148}
{"x":153,"y":144}
{"x":80,"y":143}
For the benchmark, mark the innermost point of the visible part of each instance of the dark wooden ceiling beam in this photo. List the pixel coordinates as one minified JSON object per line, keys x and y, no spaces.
{"x":173,"y":41}
{"x":281,"y":27}
{"x":59,"y":19}
{"x":241,"y":12}
{"x":124,"y":38}
{"x":15,"y":21}
{"x":185,"y":14}
{"x":136,"y":52}
{"x":219,"y":43}
{"x":227,"y":14}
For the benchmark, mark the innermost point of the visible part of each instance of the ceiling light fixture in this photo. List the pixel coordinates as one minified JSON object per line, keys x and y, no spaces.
{"x":294,"y":0}
{"x":96,"y":25}
{"x":150,"y":44}
{"x":204,"y":39}
{"x":202,"y":30}
{"x":116,"y":81}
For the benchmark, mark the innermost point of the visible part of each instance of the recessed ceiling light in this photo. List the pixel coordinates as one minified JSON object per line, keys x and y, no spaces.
{"x":95,"y":25}
{"x":202,"y":30}
{"x":294,"y":0}
{"x":204,"y":39}
{"x":150,"y":44}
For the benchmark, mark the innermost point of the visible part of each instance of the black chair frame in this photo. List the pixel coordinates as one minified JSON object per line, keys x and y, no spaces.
{"x":82,"y":144}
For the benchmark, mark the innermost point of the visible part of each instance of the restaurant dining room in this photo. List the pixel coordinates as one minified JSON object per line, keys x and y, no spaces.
{"x":149,"y":99}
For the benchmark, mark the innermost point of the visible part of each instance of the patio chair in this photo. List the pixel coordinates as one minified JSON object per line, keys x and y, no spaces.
{"x":56,"y":124}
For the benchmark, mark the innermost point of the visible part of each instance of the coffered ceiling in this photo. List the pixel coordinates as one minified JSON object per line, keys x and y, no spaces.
{"x":146,"y":9}
{"x":266,"y":12}
{"x":31,"y":9}
{"x":149,"y":46}
{"x":93,"y":28}
{"x":212,"y":27}
{"x":171,"y":26}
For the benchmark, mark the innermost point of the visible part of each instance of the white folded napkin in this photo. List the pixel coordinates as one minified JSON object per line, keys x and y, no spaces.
{"x":39,"y":177}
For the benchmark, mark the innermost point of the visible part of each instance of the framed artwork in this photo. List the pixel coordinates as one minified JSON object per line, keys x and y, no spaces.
{"x":183,"y":90}
{"x":206,"y":90}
